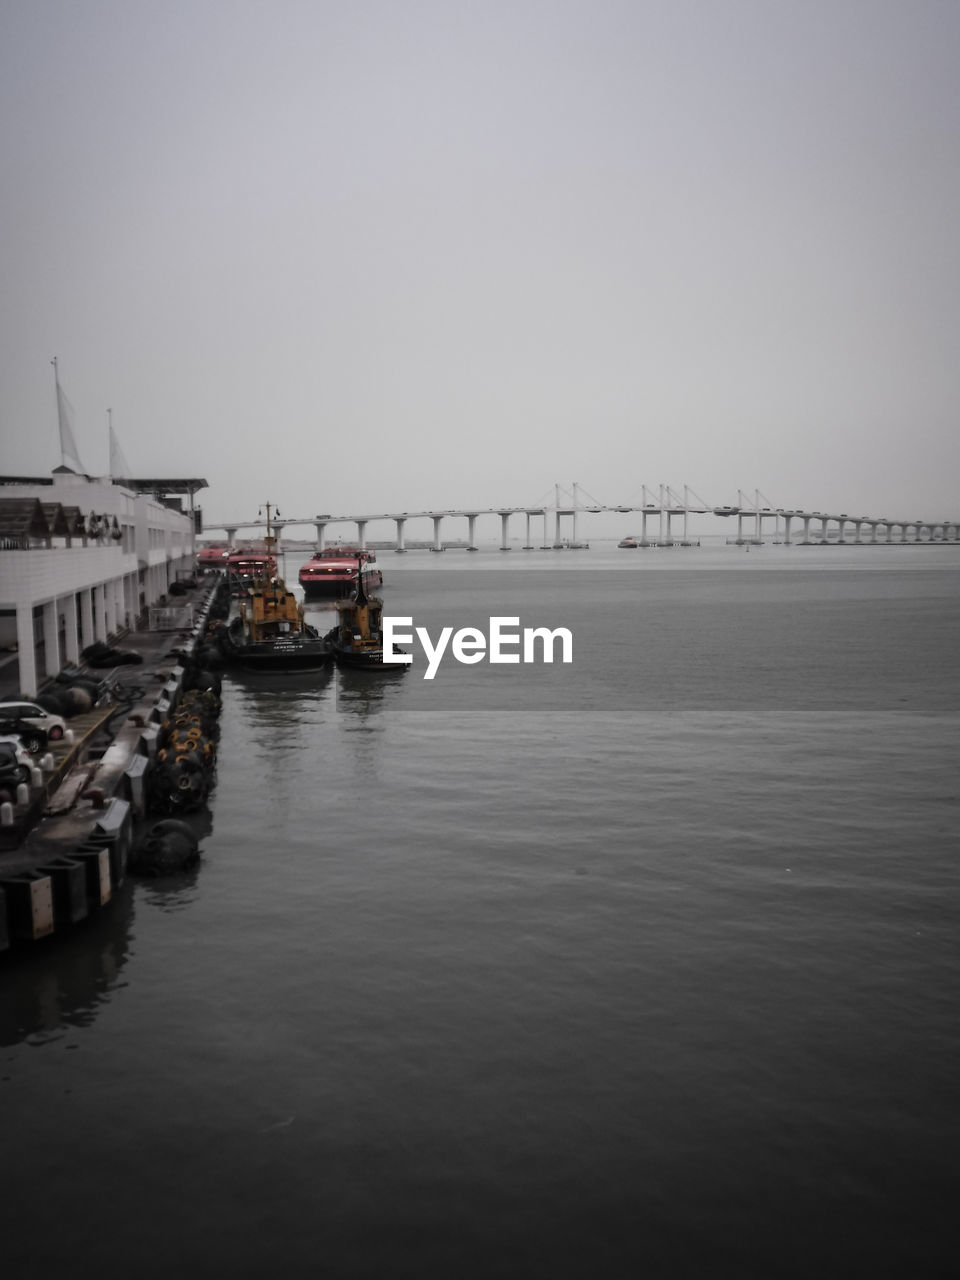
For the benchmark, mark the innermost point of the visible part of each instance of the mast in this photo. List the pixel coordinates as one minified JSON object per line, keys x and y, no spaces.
{"x":69,"y":457}
{"x":276,"y":583}
{"x":360,"y":596}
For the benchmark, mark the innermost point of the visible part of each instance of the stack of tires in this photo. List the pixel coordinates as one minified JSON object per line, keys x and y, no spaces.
{"x":104,"y":655}
{"x":71,"y":694}
{"x":186,"y":754}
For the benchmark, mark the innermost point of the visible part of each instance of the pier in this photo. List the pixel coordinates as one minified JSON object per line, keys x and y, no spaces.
{"x":66,"y":837}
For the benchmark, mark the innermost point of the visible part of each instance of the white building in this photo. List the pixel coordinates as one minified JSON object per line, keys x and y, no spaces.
{"x":82,"y":558}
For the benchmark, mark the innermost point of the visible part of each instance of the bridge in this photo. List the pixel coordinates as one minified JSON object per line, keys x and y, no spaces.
{"x":753,"y":517}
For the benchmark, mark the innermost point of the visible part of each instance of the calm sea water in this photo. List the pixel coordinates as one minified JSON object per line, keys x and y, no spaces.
{"x":645,"y":966}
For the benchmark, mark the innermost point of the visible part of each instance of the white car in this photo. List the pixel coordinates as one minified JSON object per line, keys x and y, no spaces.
{"x":33,"y":714}
{"x":24,"y":758}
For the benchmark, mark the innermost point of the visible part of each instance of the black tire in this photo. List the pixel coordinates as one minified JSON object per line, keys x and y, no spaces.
{"x":51,"y":702}
{"x":33,"y":742}
{"x":55,"y":734}
{"x":23,"y":774}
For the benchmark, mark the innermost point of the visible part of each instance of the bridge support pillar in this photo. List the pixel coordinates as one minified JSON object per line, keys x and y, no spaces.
{"x":400,"y":522}
{"x":437,"y":544}
{"x":527,"y":544}
{"x":471,"y":531}
{"x":786,"y":530}
{"x":643,"y":529}
{"x":231,"y":531}
{"x":362,"y":534}
{"x":320,"y":527}
{"x":504,"y":540}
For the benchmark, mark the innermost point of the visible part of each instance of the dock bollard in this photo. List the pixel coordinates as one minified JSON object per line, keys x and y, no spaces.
{"x":69,"y":737}
{"x":23,"y":792}
{"x":46,"y":763}
{"x":36,"y":778}
{"x":6,"y":813}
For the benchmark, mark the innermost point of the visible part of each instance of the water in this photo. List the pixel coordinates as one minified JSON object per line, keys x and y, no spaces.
{"x":645,"y":966}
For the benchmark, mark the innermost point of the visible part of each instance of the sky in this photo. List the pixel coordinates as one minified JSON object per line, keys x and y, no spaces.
{"x":394,"y":255}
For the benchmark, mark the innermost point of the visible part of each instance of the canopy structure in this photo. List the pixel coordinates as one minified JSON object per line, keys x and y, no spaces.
{"x":23,"y":522}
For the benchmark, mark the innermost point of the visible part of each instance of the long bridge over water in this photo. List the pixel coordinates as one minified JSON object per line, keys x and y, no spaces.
{"x":754,"y":516}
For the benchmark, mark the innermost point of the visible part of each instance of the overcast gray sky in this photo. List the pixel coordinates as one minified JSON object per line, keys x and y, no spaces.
{"x":401,"y":255}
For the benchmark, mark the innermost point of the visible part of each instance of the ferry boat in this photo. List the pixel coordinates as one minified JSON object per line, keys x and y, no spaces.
{"x":268,"y":631}
{"x":249,"y":565}
{"x":213,"y":556}
{"x":334,"y":572}
{"x":357,"y":639}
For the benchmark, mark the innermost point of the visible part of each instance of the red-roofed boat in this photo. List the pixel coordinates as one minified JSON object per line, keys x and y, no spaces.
{"x":334,"y":572}
{"x":249,"y":565}
{"x":213,"y":556}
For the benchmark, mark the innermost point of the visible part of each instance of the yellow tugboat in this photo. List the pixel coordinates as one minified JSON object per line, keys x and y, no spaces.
{"x":357,"y":639}
{"x":268,"y":632}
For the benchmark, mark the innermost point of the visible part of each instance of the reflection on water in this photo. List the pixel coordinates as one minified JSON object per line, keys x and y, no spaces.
{"x":280,"y":700}
{"x":170,"y":894}
{"x":65,"y":981}
{"x":289,"y":701}
{"x":366,"y":693}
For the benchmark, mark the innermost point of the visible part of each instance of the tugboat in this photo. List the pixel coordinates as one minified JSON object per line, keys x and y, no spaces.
{"x":357,"y":639}
{"x":268,"y":632}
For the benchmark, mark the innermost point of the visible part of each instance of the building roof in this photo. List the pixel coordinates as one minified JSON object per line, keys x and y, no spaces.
{"x":75,"y":522}
{"x":163,"y":486}
{"x":23,"y":518}
{"x":189,"y":486}
{"x":56,"y":518}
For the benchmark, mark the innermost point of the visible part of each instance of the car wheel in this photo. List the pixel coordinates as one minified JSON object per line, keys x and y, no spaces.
{"x":55,"y":733}
{"x":33,"y":742}
{"x":23,"y":774}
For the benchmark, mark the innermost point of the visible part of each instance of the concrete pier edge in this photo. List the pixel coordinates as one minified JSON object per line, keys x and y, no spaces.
{"x":60,"y":866}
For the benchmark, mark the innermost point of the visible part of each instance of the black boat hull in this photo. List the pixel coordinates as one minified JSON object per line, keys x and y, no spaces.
{"x":311,"y":655}
{"x":366,"y":660}
{"x":335,"y":588}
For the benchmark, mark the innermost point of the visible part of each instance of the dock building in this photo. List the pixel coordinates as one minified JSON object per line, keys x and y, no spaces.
{"x":82,"y":559}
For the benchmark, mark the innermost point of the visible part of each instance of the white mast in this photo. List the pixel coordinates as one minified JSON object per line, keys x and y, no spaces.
{"x":69,"y":456}
{"x":118,"y":463}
